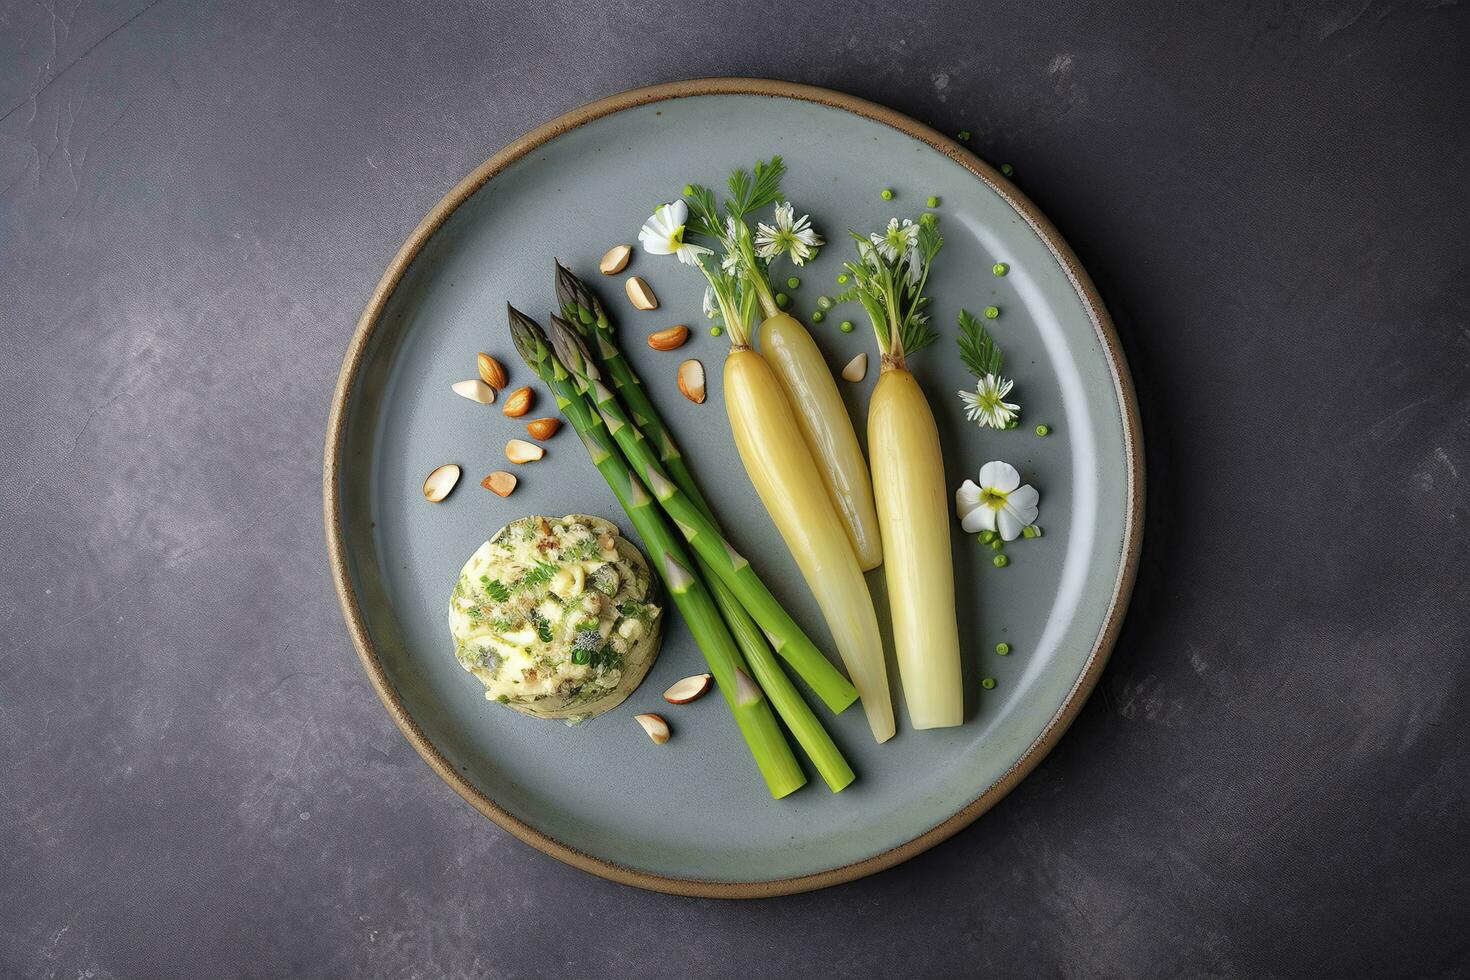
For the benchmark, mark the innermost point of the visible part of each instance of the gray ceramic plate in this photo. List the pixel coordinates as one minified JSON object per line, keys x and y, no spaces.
{"x":692,"y":816}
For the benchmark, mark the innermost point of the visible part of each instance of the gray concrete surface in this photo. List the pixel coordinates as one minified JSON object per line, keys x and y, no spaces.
{"x":197,"y":781}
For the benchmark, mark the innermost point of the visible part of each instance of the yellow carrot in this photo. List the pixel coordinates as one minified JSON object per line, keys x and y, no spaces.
{"x":827,"y":429}
{"x":790,"y":486}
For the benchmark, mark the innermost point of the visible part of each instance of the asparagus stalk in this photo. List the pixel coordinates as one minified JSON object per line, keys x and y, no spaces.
{"x":585,"y":313}
{"x":702,"y":533}
{"x":752,"y":712}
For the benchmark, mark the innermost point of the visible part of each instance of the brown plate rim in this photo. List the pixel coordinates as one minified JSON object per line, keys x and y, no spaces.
{"x":1122,"y":587}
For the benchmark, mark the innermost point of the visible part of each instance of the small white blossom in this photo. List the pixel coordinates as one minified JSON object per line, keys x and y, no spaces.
{"x":790,"y":234}
{"x":999,"y":503}
{"x":986,"y":405}
{"x":663,"y":234}
{"x":896,"y":240}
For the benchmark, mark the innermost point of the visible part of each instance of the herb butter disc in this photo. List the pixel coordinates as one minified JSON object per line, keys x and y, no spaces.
{"x":553,"y":615}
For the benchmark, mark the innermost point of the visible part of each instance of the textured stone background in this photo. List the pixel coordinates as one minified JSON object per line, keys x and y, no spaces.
{"x":197,"y":781}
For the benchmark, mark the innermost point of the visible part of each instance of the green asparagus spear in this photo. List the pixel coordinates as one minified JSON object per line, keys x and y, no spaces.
{"x":585,"y":312}
{"x":747,"y":702}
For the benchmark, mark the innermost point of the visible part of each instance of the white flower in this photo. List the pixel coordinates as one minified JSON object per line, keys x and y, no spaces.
{"x":663,"y":234}
{"x":730,"y":263}
{"x":711,"y":309}
{"x":998,"y":504}
{"x":897,"y":240}
{"x":790,"y":234}
{"x":986,"y":405}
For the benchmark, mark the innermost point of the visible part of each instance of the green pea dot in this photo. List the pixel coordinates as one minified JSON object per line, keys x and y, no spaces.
{"x":1042,"y":430}
{"x":991,"y":312}
{"x":845,"y":326}
{"x":716,"y":331}
{"x":825,"y":302}
{"x":1000,"y":561}
{"x":818,"y":316}
{"x":886,"y":194}
{"x":933,"y":201}
{"x":793,"y":282}
{"x":688,"y":190}
{"x":1007,"y":169}
{"x":987,"y":536}
{"x":1003,"y":649}
{"x":1000,"y":268}
{"x":997,"y":544}
{"x":842,"y":279}
{"x":988,"y":683}
{"x":963,"y":135}
{"x":782,"y":300}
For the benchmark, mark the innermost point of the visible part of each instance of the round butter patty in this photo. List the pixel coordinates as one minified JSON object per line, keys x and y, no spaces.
{"x":554,"y":617}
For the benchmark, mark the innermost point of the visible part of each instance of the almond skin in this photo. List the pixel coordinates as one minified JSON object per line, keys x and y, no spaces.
{"x":670,"y":339}
{"x":543,"y":429}
{"x":518,"y":402}
{"x":640,"y":295}
{"x":616,"y":260}
{"x":691,"y":380}
{"x":500,"y":483}
{"x":521,"y":451}
{"x":491,"y":371}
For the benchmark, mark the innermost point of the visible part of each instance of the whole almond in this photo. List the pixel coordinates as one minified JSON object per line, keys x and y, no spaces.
{"x":521,"y":451}
{"x":857,"y":368}
{"x":543,"y":428}
{"x":438,"y":483}
{"x":491,"y":371}
{"x":616,"y":260}
{"x":500,"y":482}
{"x":669,"y":339}
{"x":641,"y":296}
{"x":518,"y":403}
{"x":654,"y":725}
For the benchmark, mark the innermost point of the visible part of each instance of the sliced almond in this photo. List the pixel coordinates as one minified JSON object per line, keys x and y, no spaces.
{"x":500,"y":483}
{"x":669,"y":339}
{"x":491,"y":371}
{"x":691,"y":380}
{"x":616,"y":260}
{"x":857,"y":368}
{"x":641,"y":296}
{"x":543,"y":428}
{"x":656,"y":727}
{"x":475,"y":390}
{"x":686,"y":690}
{"x":521,"y":451}
{"x":518,"y":402}
{"x":438,"y":483}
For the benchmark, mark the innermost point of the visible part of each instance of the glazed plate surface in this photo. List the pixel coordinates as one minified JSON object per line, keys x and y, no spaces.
{"x":691,"y":816}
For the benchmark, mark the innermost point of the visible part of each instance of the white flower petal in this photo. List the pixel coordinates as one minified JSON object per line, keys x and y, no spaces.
{"x":999,"y":475}
{"x":1024,"y":498}
{"x":1008,"y":525}
{"x":966,"y":498}
{"x":982,"y":518}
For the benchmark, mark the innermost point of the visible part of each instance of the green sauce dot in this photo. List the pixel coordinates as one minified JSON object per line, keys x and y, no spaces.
{"x":1013,"y":423}
{"x":988,"y":683}
{"x":886,"y":194}
{"x":782,"y":300}
{"x":688,"y":190}
{"x":1000,"y":561}
{"x":963,"y":135}
{"x":933,"y":201}
{"x":1042,"y":430}
{"x":842,"y":279}
{"x":825,"y":302}
{"x":991,"y":312}
{"x":1003,"y":648}
{"x":1000,"y":268}
{"x":1007,"y":169}
{"x":845,"y":326}
{"x":818,"y":316}
{"x":716,"y":331}
{"x":793,"y":282}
